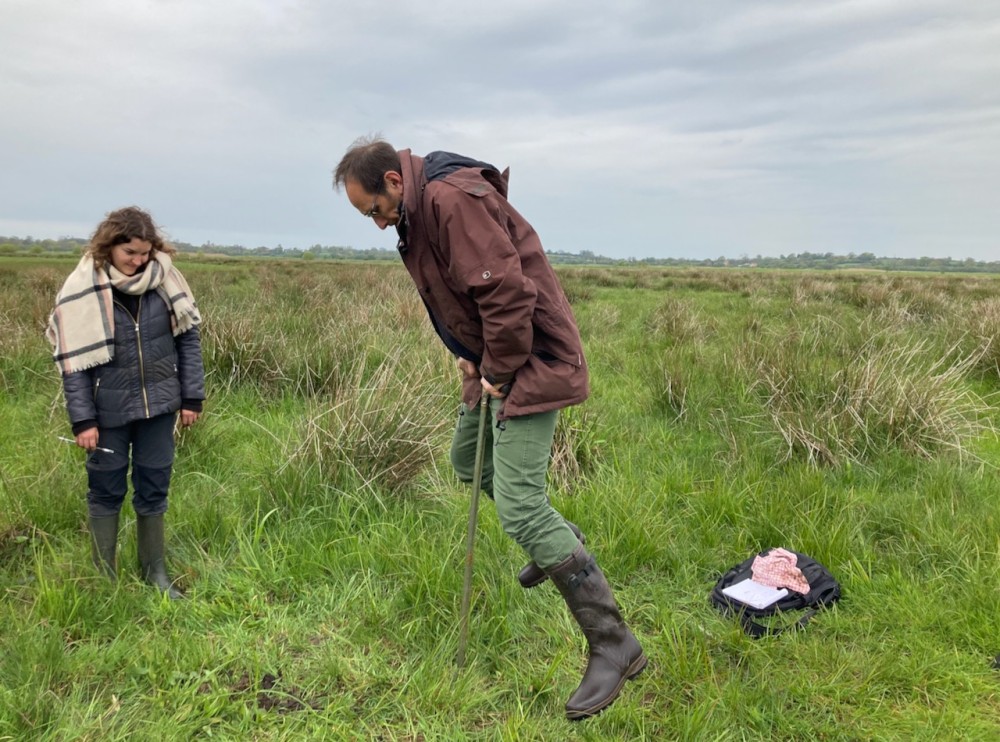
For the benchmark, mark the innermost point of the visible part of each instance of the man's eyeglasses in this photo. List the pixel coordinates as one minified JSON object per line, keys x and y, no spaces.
{"x":373,"y":211}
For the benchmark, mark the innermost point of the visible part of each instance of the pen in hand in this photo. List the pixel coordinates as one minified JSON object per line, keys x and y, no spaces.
{"x":96,"y":448}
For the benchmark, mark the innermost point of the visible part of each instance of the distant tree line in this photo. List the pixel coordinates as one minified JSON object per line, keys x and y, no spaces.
{"x":804,"y":260}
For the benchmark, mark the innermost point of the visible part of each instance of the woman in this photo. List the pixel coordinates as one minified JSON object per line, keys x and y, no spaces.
{"x":125,"y":333}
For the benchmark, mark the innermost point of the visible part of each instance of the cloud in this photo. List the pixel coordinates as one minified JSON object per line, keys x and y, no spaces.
{"x":638,"y":129}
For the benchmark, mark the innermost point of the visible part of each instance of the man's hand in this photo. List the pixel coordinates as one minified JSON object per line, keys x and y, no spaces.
{"x":468,"y":368}
{"x":494,"y":391}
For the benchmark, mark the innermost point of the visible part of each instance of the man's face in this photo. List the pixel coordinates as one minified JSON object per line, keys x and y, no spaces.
{"x":381,"y":208}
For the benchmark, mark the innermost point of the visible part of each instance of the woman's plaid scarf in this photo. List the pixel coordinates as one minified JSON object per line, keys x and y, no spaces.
{"x":82,"y":326}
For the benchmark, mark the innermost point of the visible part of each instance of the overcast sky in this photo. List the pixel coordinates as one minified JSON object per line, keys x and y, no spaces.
{"x":636,"y":128}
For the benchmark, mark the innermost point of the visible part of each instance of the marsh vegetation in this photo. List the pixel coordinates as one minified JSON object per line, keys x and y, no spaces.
{"x":318,"y":531}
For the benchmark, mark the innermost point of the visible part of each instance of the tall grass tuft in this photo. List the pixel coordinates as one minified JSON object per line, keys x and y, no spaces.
{"x":984,"y":331}
{"x":675,"y":322}
{"x":380,"y":431}
{"x":830,"y":401}
{"x":670,"y":392}
{"x":577,"y":448}
{"x":238,"y":351}
{"x":25,"y":356}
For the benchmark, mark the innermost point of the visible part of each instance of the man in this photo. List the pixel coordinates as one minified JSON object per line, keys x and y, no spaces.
{"x":497,"y":305}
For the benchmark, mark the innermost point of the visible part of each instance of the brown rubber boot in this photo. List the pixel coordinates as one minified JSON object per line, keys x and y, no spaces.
{"x":531,"y":574}
{"x":614,"y":653}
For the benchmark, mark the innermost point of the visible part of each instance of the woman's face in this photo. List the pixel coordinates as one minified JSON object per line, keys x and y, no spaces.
{"x":131,"y":257}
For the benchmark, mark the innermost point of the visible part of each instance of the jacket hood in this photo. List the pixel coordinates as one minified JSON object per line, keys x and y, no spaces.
{"x":440,"y":164}
{"x":464,"y":172}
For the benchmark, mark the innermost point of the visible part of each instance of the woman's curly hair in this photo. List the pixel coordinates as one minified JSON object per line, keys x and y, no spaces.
{"x":122,"y":226}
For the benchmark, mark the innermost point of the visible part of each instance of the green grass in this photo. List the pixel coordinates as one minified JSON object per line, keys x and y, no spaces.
{"x":318,"y":531}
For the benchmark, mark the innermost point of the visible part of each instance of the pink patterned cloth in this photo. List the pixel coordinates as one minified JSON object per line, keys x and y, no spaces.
{"x":778,"y":568}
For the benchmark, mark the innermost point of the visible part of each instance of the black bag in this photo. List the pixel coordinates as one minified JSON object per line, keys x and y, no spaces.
{"x":823,"y":590}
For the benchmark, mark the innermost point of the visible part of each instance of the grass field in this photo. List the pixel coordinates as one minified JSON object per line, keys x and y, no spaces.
{"x":318,"y":531}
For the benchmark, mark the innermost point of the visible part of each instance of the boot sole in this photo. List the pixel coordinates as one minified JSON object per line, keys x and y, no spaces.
{"x":634,"y":670}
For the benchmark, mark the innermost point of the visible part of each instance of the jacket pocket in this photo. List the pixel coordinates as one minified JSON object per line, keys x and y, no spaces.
{"x":551,"y":359}
{"x":546,"y":382}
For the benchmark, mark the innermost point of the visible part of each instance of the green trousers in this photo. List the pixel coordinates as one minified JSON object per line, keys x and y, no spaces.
{"x":515,"y":462}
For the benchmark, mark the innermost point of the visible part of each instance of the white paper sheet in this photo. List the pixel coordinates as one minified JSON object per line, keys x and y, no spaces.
{"x":754,"y":594}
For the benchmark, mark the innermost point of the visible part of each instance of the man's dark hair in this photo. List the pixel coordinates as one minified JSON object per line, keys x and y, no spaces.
{"x":367,"y":161}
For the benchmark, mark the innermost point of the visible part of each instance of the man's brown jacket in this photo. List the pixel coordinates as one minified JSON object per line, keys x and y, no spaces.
{"x":489,"y":289}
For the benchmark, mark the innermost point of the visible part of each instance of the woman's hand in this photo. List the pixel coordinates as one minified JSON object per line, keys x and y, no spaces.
{"x":189,"y":418}
{"x":87,"y":439}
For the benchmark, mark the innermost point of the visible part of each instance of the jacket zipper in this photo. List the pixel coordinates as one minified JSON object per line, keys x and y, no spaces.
{"x":97,"y":387}
{"x":142,"y":366}
{"x":138,"y":343}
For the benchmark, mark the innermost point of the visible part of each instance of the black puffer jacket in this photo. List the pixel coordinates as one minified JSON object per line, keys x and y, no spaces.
{"x":149,"y":375}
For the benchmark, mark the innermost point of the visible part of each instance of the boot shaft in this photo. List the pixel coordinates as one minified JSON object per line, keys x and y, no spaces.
{"x":104,"y":543}
{"x":614,"y":654}
{"x":150,"y":549}
{"x":587,"y":593}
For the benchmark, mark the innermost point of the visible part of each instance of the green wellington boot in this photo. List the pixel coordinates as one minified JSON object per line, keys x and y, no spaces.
{"x":149,"y":535}
{"x":104,"y":544}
